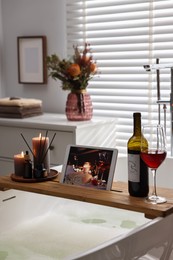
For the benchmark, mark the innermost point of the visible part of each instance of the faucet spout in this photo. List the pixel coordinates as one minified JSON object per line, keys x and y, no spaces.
{"x":158,"y":66}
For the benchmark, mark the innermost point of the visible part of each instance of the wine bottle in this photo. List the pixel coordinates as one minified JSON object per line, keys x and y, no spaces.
{"x":137,"y":169}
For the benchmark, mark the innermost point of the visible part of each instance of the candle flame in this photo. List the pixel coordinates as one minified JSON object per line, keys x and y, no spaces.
{"x":40,"y":136}
{"x":22,"y":154}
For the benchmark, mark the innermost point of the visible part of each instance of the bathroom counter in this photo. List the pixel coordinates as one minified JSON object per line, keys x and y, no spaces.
{"x":118,"y":197}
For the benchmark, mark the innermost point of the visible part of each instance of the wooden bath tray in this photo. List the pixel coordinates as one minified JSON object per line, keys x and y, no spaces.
{"x":118,"y":197}
{"x":51,"y":175}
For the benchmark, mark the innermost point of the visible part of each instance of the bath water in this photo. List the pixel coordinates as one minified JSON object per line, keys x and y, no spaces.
{"x":64,"y":232}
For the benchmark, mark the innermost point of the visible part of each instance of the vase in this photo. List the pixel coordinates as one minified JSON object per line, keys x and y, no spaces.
{"x":79,"y":106}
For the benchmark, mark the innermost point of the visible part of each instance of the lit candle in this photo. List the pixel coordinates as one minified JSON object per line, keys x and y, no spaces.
{"x":41,"y":152}
{"x":19,"y":164}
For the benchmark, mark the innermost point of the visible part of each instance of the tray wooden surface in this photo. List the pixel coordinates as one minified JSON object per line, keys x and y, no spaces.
{"x":118,"y":197}
{"x":50,"y":176}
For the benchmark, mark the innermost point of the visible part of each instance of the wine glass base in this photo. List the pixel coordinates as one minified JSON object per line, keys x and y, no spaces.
{"x":156,"y":199}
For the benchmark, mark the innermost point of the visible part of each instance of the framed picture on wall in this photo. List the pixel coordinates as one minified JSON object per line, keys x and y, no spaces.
{"x":32,"y":59}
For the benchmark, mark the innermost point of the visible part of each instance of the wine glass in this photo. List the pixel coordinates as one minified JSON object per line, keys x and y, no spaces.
{"x":153,"y":155}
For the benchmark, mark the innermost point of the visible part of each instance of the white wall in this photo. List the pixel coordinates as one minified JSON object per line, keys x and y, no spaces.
{"x":2,"y":91}
{"x":28,"y":18}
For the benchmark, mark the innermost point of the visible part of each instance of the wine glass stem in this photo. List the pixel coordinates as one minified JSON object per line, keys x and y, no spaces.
{"x":154,"y":193}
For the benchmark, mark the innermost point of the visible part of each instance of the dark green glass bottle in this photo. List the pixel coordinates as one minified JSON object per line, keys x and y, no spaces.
{"x":137,"y":169}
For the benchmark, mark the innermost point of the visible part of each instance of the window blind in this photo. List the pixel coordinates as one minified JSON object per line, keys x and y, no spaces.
{"x":125,"y":35}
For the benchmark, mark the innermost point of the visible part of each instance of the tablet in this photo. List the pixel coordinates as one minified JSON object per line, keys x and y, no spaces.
{"x":89,"y":166}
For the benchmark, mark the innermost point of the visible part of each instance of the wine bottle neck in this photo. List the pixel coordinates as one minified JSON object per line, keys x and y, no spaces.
{"x":137,"y":124}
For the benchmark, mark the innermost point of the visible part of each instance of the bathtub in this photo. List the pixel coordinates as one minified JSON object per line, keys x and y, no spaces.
{"x":41,"y":227}
{"x":164,"y":172}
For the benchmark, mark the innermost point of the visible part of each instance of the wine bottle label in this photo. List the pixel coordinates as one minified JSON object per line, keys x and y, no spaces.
{"x":134,"y":167}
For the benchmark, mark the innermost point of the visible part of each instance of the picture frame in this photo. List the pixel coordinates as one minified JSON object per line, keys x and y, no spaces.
{"x":89,"y":166}
{"x":32,"y":51}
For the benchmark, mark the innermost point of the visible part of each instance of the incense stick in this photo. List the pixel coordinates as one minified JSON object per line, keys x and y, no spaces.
{"x":42,"y":154}
{"x":48,"y":147}
{"x":39,"y":151}
{"x":27,"y":144}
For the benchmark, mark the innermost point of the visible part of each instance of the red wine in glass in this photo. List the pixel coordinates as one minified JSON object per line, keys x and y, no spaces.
{"x":154,"y":155}
{"x":152,"y":158}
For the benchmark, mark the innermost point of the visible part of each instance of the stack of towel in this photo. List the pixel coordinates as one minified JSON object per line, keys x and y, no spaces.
{"x":20,"y":107}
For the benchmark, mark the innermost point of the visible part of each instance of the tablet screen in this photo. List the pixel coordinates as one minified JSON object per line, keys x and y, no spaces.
{"x":89,"y":166}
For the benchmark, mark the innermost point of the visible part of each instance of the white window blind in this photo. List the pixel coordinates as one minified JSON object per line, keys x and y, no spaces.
{"x":124,"y":35}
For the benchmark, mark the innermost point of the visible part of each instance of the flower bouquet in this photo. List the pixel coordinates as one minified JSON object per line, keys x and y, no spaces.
{"x":75,"y":74}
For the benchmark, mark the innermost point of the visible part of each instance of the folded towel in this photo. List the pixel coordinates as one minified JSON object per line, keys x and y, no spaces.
{"x":18,"y":115}
{"x":20,"y":107}
{"x":19,"y":110}
{"x":20,"y":102}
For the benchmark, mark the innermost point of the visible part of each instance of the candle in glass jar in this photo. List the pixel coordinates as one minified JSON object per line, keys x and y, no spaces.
{"x":19,"y":164}
{"x":41,"y":152}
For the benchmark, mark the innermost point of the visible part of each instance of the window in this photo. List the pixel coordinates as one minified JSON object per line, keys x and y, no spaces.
{"x":124,"y":36}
